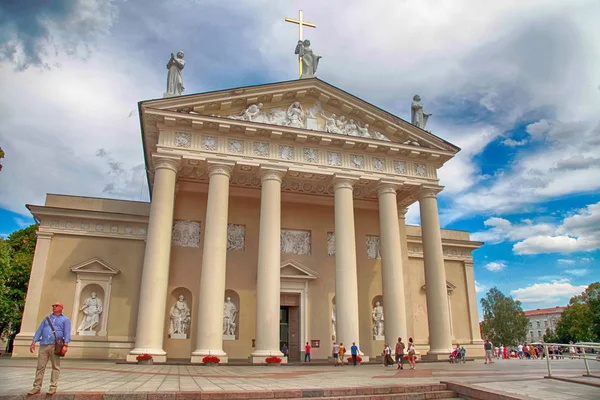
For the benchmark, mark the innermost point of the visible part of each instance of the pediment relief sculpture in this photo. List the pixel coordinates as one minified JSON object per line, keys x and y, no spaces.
{"x":313,"y":118}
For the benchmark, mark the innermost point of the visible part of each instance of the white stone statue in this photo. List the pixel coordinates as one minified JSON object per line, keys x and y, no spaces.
{"x":92,"y":308}
{"x":330,"y":124}
{"x":174,"y":77}
{"x":363,"y":131}
{"x":378,"y":320}
{"x":180,"y":319}
{"x":341,"y":124}
{"x":295,"y":115}
{"x":229,"y":316}
{"x":417,"y":116}
{"x":351,"y":128}
{"x":252,"y":113}
{"x":333,"y":323}
{"x":309,"y":60}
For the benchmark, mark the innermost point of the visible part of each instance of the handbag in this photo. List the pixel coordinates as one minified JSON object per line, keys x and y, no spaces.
{"x":60,"y":342}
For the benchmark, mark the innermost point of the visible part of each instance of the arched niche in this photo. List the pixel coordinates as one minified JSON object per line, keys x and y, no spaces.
{"x":234,"y":311}
{"x":94,"y":275}
{"x":90,"y":311}
{"x":377,"y":318}
{"x":179,"y":318}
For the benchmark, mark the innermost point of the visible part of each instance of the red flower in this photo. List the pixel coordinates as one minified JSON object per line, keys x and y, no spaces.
{"x":273,"y":360}
{"x":211,"y":360}
{"x":358,"y":358}
{"x":144,"y":357}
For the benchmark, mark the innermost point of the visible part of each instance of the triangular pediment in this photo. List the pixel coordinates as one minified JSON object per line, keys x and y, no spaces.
{"x":449,"y":287}
{"x":95,"y":266}
{"x":294,"y":270}
{"x":307,"y":104}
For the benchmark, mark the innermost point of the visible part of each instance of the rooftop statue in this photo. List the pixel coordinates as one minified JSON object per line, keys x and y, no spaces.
{"x":174,"y":77}
{"x":308,"y":59}
{"x":417,"y":116}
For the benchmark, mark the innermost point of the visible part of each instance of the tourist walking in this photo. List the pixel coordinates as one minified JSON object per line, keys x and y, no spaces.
{"x":488,"y":351}
{"x":307,"y":352}
{"x":412,"y":356}
{"x":335,"y":353}
{"x":400,"y":353}
{"x":354,"y":353}
{"x":53,"y":329}
{"x":342,"y":353}
{"x":387,"y":354}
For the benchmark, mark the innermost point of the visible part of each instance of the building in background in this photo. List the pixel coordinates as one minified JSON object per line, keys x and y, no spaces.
{"x":542,"y":319}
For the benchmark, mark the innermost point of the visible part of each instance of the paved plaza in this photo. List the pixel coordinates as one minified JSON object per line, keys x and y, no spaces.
{"x":517,"y":377}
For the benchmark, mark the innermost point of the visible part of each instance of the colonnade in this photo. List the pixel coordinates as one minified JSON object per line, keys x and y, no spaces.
{"x":209,"y":335}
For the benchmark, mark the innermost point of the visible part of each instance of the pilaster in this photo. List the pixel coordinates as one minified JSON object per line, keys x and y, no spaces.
{"x":472,"y":302}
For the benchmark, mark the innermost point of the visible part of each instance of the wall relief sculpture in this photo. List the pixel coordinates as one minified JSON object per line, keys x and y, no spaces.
{"x":186,"y":233}
{"x":330,"y":244}
{"x":373,"y":247}
{"x":295,"y":242}
{"x":236,"y":237}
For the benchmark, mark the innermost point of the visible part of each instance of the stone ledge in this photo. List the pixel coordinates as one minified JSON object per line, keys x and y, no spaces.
{"x":476,"y":393}
{"x":575,"y":380}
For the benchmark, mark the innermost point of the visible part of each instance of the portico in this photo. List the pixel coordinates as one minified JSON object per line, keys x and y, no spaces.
{"x":242,"y":200}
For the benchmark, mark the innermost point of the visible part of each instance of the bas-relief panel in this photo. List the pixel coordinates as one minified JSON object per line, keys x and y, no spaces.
{"x":295,"y":242}
{"x":236,"y":237}
{"x":330,"y":244}
{"x":373,"y":244}
{"x":186,"y":233}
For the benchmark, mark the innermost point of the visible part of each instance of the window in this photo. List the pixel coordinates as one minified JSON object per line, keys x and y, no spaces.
{"x":540,"y":334}
{"x":546,"y":323}
{"x":538,"y":323}
{"x":531,"y":334}
{"x":530,"y":324}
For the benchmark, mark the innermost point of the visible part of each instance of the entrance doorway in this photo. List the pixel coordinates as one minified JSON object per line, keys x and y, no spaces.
{"x":289,"y":325}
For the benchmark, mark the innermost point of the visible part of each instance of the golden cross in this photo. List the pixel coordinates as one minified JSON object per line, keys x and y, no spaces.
{"x":300,"y":25}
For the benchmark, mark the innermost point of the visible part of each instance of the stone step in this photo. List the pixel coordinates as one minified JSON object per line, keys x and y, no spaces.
{"x":436,"y":394}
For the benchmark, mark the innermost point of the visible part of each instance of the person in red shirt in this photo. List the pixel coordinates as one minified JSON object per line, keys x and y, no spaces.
{"x":307,"y":352}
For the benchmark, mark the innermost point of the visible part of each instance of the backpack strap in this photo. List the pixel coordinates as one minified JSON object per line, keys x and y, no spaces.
{"x":51,"y":327}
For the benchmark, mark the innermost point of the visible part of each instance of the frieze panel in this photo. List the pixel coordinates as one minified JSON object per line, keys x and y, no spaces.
{"x":261,"y":149}
{"x":236,"y":237}
{"x":311,"y":155}
{"x":209,"y":143}
{"x":373,"y":244}
{"x":378,"y":164}
{"x":286,"y":152}
{"x":295,"y":242}
{"x":334,"y":158}
{"x":186,"y":233}
{"x":183,"y":139}
{"x":420,"y":169}
{"x":357,"y":161}
{"x":399,"y":167}
{"x":236,"y":146}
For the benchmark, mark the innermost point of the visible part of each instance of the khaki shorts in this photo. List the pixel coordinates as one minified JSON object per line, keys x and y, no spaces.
{"x":488,"y":353}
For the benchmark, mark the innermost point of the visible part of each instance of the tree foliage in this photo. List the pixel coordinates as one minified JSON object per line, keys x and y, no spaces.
{"x":504,"y":321}
{"x":580,"y":322}
{"x":1,"y":157}
{"x":16,"y":257}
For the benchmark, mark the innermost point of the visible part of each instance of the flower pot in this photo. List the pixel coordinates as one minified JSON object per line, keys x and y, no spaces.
{"x":210,"y":364}
{"x":145,"y":362}
{"x":273,"y":364}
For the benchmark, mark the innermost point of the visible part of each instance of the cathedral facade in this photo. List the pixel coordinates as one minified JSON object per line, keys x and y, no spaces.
{"x":277,"y":216}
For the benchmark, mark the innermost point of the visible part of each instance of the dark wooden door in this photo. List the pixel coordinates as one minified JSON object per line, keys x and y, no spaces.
{"x":294,"y":333}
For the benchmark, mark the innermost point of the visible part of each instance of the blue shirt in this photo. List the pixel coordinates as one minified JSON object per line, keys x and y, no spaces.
{"x":62,"y":326}
{"x":354,"y":350}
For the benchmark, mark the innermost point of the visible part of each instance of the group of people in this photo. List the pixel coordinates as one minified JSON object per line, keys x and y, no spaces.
{"x":401,"y":353}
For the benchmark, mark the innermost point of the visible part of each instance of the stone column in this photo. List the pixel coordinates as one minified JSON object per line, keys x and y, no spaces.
{"x":268,"y":283}
{"x":392,"y":271}
{"x":440,"y":337}
{"x":30,"y":322}
{"x":407,"y":281}
{"x":472,"y":301}
{"x":346,"y":281}
{"x":155,"y":274}
{"x":209,"y":336}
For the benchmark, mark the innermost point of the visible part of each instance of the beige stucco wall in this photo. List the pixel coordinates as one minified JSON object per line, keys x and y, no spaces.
{"x":127,"y":256}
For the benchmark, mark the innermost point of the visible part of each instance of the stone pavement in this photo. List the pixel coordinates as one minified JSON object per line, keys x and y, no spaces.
{"x":517,"y":377}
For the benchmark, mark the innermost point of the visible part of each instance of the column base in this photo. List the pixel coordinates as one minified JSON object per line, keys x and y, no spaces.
{"x":158,"y":355}
{"x":199,"y":354}
{"x":260,"y":356}
{"x":21,"y":345}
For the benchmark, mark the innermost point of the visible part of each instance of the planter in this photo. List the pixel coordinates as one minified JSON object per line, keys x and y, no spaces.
{"x":271,"y":364}
{"x":145,"y":362}
{"x":211,"y":364}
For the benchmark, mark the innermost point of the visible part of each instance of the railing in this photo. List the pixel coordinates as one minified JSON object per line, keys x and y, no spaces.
{"x":583,"y":355}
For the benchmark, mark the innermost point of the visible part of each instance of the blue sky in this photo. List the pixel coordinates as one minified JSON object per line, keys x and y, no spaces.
{"x":515,"y":84}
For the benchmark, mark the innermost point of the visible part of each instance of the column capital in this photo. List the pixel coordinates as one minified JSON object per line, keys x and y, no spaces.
{"x":402,"y":212}
{"x":343,"y":181}
{"x":469,"y":263}
{"x":429,"y":191}
{"x":271,"y":173}
{"x":44,"y":235}
{"x":219,"y":168}
{"x":386,"y":188}
{"x":161,"y":161}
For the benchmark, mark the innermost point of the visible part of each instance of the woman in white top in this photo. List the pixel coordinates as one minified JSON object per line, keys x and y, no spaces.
{"x":411,"y":353}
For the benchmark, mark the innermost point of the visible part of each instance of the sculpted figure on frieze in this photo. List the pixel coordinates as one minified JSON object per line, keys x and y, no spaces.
{"x":295,"y":115}
{"x":330,"y":124}
{"x":351,"y":129}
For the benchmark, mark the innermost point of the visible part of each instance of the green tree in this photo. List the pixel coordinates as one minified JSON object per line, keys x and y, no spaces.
{"x":503,"y":319}
{"x":16,"y":257}
{"x":1,"y":157}
{"x":580,"y":322}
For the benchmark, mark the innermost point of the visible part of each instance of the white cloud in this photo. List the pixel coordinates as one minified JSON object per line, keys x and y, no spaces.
{"x":502,"y":229}
{"x":578,"y":271}
{"x":555,"y":291}
{"x":564,"y":261}
{"x":514,"y":143}
{"x":480,"y":287}
{"x":495,"y":266}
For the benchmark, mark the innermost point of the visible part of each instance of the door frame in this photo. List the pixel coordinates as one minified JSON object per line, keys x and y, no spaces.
{"x":299,"y":287}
